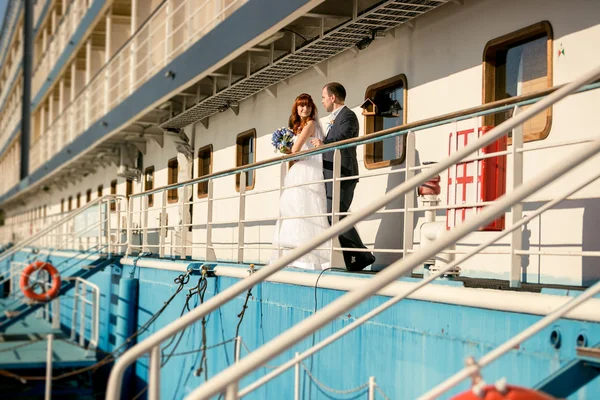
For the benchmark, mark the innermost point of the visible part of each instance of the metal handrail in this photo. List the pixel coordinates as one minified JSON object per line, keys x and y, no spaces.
{"x":233,"y":374}
{"x":21,"y":245}
{"x":396,"y":299}
{"x":381,"y":280}
{"x":428,"y":123}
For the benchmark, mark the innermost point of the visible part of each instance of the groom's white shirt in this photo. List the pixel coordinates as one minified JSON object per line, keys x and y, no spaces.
{"x":332,"y":118}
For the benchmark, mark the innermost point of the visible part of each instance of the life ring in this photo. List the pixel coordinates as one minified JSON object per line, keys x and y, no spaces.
{"x":28,"y":290}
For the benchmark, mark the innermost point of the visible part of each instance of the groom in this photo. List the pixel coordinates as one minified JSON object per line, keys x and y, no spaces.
{"x":342,"y":125}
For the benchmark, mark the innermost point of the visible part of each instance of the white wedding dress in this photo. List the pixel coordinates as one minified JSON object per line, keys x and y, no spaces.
{"x":303,"y":201}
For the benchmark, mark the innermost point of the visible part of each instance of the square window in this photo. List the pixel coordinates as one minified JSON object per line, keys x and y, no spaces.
{"x":204,"y":168}
{"x":516,"y":64}
{"x":246,"y":154}
{"x":384,"y":108}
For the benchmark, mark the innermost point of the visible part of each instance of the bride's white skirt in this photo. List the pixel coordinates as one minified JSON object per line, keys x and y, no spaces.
{"x":303,"y":201}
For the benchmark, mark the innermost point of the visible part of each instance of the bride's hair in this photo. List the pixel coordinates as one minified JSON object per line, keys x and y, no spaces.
{"x":296,"y":121}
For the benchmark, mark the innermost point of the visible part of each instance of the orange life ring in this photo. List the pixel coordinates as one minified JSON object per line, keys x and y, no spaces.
{"x":28,"y":290}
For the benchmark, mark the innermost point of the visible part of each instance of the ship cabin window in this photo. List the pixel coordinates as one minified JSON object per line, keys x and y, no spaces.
{"x":78,"y":200}
{"x":70,"y":203}
{"x":517,"y":64}
{"x":100,"y":189}
{"x":62,"y":205}
{"x":385,"y":107}
{"x":172,"y":196}
{"x":113,"y":190}
{"x":246,"y":154}
{"x":128,"y":187}
{"x":149,"y":184}
{"x":88,"y":196}
{"x":204,"y":168}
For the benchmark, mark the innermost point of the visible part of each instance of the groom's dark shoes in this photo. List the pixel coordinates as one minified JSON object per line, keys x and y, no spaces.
{"x":359,"y":261}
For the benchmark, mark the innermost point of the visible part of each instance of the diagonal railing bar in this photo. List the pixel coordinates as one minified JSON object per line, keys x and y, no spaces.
{"x":313,"y":323}
{"x":382,"y":279}
{"x":396,"y":299}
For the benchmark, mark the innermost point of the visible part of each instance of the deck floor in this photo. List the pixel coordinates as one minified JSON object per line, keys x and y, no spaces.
{"x":23,"y":344}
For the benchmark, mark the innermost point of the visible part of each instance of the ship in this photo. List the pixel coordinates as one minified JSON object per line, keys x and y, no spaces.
{"x":141,"y":193}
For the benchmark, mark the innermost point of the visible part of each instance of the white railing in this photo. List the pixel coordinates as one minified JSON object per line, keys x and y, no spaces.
{"x":171,"y":29}
{"x":167,"y":228}
{"x":11,"y":116}
{"x":58,"y":42}
{"x":10,"y":167}
{"x":14,"y":68}
{"x":227,"y":381}
{"x":86,"y":294}
{"x":99,"y":224}
{"x":394,"y":300}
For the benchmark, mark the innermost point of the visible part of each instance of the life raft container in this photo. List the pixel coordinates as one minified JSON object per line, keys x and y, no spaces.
{"x":509,"y":392}
{"x":28,"y":290}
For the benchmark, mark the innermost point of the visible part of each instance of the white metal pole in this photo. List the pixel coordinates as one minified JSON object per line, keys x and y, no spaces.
{"x":394,"y":300}
{"x":238,"y":348}
{"x":297,"y":361}
{"x":231,"y":392}
{"x":383,"y":278}
{"x":154,"y":377}
{"x":372,"y":385}
{"x":48,"y":395}
{"x":114,"y":383}
{"x":517,"y":210}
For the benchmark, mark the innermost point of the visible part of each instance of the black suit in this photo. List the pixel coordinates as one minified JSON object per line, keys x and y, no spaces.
{"x":344,"y":127}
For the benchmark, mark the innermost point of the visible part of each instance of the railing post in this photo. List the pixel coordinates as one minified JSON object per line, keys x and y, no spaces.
{"x":154,"y":376}
{"x":107,"y":55}
{"x":372,"y":385}
{"x":297,"y":377}
{"x":56,"y":313}
{"x":231,"y":392}
{"x":74,"y":311}
{"x":167,"y":31}
{"x":100,"y":224}
{"x":83,"y":303}
{"x":132,"y":48}
{"x":409,"y":197}
{"x":210,"y":251}
{"x":108,"y":225}
{"x":48,"y":394}
{"x":517,"y":209}
{"x":335,"y":197}
{"x":129,"y":216}
{"x":184,"y":222}
{"x":282,"y":173}
{"x":163,"y":225}
{"x":241,"y":217}
{"x":144,"y":224}
{"x":238,"y":348}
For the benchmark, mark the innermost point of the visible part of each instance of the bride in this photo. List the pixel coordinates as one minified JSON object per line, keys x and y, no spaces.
{"x":306,"y":200}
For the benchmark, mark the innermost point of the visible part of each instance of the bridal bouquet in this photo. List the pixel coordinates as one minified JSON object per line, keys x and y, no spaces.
{"x":283,"y":140}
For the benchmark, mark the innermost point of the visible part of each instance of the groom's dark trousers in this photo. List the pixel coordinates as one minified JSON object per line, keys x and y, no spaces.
{"x":344,"y":127}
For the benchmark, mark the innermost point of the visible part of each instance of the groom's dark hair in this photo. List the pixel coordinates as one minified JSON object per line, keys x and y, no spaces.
{"x":336,"y":89}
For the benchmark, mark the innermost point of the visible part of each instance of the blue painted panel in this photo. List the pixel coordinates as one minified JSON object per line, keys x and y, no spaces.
{"x":246,"y":23}
{"x":409,"y":348}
